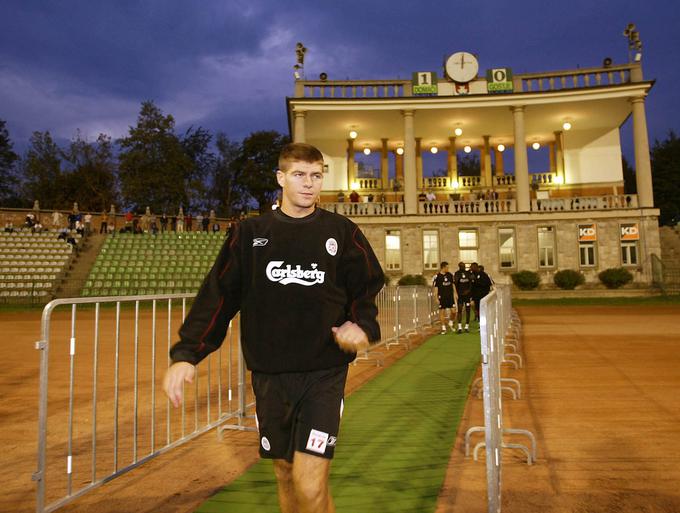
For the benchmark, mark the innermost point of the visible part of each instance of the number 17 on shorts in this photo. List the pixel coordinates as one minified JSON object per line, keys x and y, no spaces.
{"x":317,"y":441}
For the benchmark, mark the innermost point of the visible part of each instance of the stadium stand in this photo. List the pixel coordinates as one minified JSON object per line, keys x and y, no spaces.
{"x":31,"y":264}
{"x":168,"y":262}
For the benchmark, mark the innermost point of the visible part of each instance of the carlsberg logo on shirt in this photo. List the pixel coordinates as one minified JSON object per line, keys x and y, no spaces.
{"x":277,"y":272}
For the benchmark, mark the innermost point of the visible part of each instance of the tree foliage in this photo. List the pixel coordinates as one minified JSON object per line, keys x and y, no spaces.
{"x":226,"y":191}
{"x":196,"y":145}
{"x":469,"y":165}
{"x":8,"y":159}
{"x":91,"y":177}
{"x":665,"y":160}
{"x":258,"y":162}
{"x":154,"y":168}
{"x":41,"y":169}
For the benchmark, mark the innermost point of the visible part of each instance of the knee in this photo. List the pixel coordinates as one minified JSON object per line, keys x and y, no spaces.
{"x":284,"y":472}
{"x":312,"y":493}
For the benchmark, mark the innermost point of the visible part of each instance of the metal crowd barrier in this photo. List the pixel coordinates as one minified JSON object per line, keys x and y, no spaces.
{"x":402,"y":311}
{"x":114,"y":416}
{"x":102,"y":410}
{"x":499,"y":327}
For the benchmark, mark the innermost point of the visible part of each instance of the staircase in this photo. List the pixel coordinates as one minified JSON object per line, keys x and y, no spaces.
{"x":669,"y":237}
{"x":75,"y":276}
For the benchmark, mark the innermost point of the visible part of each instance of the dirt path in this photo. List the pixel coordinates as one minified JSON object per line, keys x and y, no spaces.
{"x":601,"y":393}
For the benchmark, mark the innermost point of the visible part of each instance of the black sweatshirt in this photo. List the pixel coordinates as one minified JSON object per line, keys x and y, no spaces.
{"x":292,"y":279}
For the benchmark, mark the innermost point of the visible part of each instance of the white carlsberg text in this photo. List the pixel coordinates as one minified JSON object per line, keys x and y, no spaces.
{"x":285,"y":274}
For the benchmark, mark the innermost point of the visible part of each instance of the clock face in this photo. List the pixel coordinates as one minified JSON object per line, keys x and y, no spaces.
{"x":462,"y":67}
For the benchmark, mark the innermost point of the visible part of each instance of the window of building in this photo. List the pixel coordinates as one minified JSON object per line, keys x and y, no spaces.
{"x":546,"y":246}
{"x":393,"y":250}
{"x":468,"y":244}
{"x":506,"y":247}
{"x":587,"y":239}
{"x":430,"y":249}
{"x":630,"y":236}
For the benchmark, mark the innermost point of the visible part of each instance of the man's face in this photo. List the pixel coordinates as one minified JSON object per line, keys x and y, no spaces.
{"x":301,"y":183}
{"x":461,"y":266}
{"x":445,"y":269}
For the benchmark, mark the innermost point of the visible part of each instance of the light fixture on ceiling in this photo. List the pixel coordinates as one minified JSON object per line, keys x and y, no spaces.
{"x":400,"y":150}
{"x":367,"y":150}
{"x":536,"y":145}
{"x":434,"y":149}
{"x":467,"y":149}
{"x":566,"y":125}
{"x":458,"y":131}
{"x":353,"y":134}
{"x":501,"y":147}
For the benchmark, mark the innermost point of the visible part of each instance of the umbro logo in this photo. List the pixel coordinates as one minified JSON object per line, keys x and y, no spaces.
{"x":258,"y":241}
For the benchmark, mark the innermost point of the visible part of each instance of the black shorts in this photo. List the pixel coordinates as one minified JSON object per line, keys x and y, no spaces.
{"x":445,"y":302}
{"x":464,"y":301}
{"x":299,"y":411}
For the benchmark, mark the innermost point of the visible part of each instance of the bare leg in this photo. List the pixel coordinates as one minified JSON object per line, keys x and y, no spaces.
{"x":310,"y":477}
{"x":284,"y":477}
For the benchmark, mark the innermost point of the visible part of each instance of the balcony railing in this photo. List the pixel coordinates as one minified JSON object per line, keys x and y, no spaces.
{"x":390,"y":208}
{"x":585,"y":203}
{"x":467,"y":207}
{"x":586,"y":77}
{"x":527,"y":82}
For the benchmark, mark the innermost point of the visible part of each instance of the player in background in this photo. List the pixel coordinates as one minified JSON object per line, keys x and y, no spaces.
{"x":463,"y":280}
{"x":442,"y":285}
{"x":481,"y":286}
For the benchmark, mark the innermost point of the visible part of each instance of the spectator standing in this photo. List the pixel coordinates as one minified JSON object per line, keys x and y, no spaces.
{"x":88,"y":223}
{"x":164,"y":222}
{"x":56,"y":219}
{"x":104,"y":220}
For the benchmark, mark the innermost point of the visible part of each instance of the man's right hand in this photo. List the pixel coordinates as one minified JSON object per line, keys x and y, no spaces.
{"x":175,"y":377}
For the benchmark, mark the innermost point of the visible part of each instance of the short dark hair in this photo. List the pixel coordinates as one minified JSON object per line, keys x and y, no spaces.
{"x":300,"y":152}
{"x":443,"y":264}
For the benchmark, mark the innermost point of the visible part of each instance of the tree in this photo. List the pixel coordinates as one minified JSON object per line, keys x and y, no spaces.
{"x":469,"y":165}
{"x":665,"y":160}
{"x":8,"y":181}
{"x":227,"y":192}
{"x":41,"y":169}
{"x":629,"y":183}
{"x":196,"y":145}
{"x":91,"y":179}
{"x":153,"y":166}
{"x":259,"y":161}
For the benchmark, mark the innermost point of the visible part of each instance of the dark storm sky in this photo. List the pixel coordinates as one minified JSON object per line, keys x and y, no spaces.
{"x":227,"y":65}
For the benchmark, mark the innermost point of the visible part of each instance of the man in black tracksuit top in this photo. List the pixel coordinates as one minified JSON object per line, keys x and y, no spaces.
{"x":305,"y":281}
{"x":481,"y":286}
{"x":463,"y":281}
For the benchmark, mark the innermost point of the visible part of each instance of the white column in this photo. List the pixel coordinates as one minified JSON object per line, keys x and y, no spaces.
{"x":410,"y":188}
{"x":521,"y":165}
{"x":299,"y":134}
{"x":350,"y":163}
{"x":384,"y":164}
{"x":452,"y":161}
{"x":643,"y":168}
{"x":486,"y":169}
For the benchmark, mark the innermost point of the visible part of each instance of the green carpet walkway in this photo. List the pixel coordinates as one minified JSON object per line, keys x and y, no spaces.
{"x":395,"y":439}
